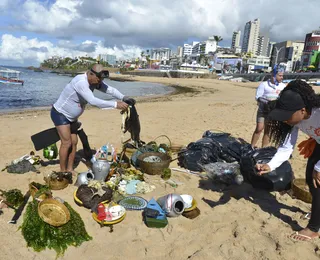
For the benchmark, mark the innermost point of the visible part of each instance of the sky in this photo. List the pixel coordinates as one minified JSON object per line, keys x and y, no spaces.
{"x":34,"y":30}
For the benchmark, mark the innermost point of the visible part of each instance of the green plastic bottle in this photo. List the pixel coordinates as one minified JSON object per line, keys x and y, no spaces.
{"x":50,"y":152}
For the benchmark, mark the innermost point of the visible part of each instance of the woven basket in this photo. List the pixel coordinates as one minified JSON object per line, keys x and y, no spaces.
{"x":58,"y":185}
{"x":33,"y":190}
{"x":154,"y":168}
{"x":169,"y":144}
{"x":298,"y":188}
{"x":129,"y":152}
{"x":53,"y":212}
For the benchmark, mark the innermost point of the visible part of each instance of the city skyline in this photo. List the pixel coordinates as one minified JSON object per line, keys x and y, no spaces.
{"x":33,"y":30}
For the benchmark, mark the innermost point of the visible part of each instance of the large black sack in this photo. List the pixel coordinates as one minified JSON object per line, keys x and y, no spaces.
{"x":278,"y":180}
{"x":201,"y":152}
{"x":213,"y":147}
{"x":231,"y":148}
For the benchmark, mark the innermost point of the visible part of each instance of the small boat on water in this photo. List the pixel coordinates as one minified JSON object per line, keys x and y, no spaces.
{"x":8,"y":76}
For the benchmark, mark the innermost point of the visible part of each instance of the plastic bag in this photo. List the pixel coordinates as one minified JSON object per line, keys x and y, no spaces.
{"x":21,"y":167}
{"x":199,"y":153}
{"x":278,"y":180}
{"x":231,"y":148}
{"x":228,"y":173}
{"x":223,"y":141}
{"x":213,"y":147}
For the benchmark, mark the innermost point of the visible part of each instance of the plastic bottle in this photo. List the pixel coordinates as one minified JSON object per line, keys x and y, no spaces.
{"x":101,"y":212}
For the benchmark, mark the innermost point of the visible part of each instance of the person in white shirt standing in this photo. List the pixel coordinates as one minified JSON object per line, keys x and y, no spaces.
{"x":267,"y":91}
{"x":71,"y":104}
{"x":298,"y":107}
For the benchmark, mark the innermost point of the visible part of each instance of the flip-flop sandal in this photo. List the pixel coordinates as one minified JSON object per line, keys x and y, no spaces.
{"x":297,"y":237}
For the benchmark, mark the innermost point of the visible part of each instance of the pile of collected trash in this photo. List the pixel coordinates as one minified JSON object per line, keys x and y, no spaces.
{"x":232,"y":160}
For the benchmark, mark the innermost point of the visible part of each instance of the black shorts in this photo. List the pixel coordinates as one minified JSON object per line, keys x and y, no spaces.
{"x":58,"y":118}
{"x":262,"y":113}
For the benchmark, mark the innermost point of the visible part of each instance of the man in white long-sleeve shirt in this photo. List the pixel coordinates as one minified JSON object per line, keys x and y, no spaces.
{"x":267,"y":91}
{"x":71,"y":104}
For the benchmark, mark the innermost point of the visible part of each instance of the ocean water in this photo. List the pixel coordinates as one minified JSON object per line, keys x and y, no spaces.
{"x":42,"y":89}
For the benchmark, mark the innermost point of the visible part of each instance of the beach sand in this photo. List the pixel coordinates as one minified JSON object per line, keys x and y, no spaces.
{"x":239,"y":224}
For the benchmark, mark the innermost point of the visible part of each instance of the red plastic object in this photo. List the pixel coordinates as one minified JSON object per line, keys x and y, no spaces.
{"x":101,"y":212}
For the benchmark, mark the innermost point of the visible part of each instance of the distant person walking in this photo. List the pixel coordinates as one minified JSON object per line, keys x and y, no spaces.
{"x":267,"y":91}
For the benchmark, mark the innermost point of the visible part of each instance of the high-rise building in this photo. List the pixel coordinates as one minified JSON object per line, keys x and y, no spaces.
{"x":279,"y":53}
{"x":111,"y":59}
{"x":236,"y":40}
{"x":250,"y":37}
{"x":270,"y":47}
{"x":263,"y":44}
{"x":205,"y":47}
{"x":180,"y":51}
{"x":312,"y":41}
{"x":294,"y":55}
{"x":160,"y":54}
{"x":311,"y":46}
{"x":187,"y":49}
{"x":288,"y":53}
{"x":211,"y":45}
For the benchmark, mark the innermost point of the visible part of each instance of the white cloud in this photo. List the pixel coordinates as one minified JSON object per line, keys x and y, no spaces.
{"x":155,"y":23}
{"x":22,"y":50}
{"x":4,"y":4}
{"x":40,"y":18}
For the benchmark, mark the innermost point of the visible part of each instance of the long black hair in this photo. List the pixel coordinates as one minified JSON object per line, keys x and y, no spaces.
{"x":278,"y":130}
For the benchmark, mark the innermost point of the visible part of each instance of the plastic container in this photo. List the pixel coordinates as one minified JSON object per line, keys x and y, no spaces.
{"x":50,"y":152}
{"x":160,"y":221}
{"x":100,"y":169}
{"x":172,"y":204}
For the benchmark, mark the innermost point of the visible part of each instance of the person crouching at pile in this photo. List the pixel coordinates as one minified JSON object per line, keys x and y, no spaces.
{"x":298,"y":107}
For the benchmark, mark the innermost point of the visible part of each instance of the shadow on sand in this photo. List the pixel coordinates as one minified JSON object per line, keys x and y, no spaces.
{"x":80,"y":157}
{"x":265,"y":200}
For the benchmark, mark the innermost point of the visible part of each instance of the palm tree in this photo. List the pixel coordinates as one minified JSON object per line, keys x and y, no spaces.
{"x":148,"y":60}
{"x":217,"y":38}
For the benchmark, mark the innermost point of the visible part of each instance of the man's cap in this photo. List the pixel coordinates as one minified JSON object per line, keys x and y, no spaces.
{"x":286,"y":105}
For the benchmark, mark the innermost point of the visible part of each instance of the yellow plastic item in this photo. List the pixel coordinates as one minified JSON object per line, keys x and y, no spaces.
{"x":53,"y":212}
{"x":79,"y":202}
{"x":104,"y":222}
{"x":194,"y":205}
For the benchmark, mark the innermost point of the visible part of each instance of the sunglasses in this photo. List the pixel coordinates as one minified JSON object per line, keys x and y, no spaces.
{"x":102,"y":74}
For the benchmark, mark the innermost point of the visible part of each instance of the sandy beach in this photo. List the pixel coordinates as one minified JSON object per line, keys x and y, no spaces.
{"x":243,"y":223}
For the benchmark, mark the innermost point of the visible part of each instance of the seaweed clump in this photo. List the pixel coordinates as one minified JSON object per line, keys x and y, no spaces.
{"x":39,"y":235}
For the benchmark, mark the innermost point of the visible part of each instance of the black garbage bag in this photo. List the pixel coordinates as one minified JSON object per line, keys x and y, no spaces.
{"x":278,"y":180}
{"x":231,"y":148}
{"x":201,"y":152}
{"x":222,"y":141}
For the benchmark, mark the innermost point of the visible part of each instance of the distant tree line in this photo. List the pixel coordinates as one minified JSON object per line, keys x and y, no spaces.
{"x":78,"y":63}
